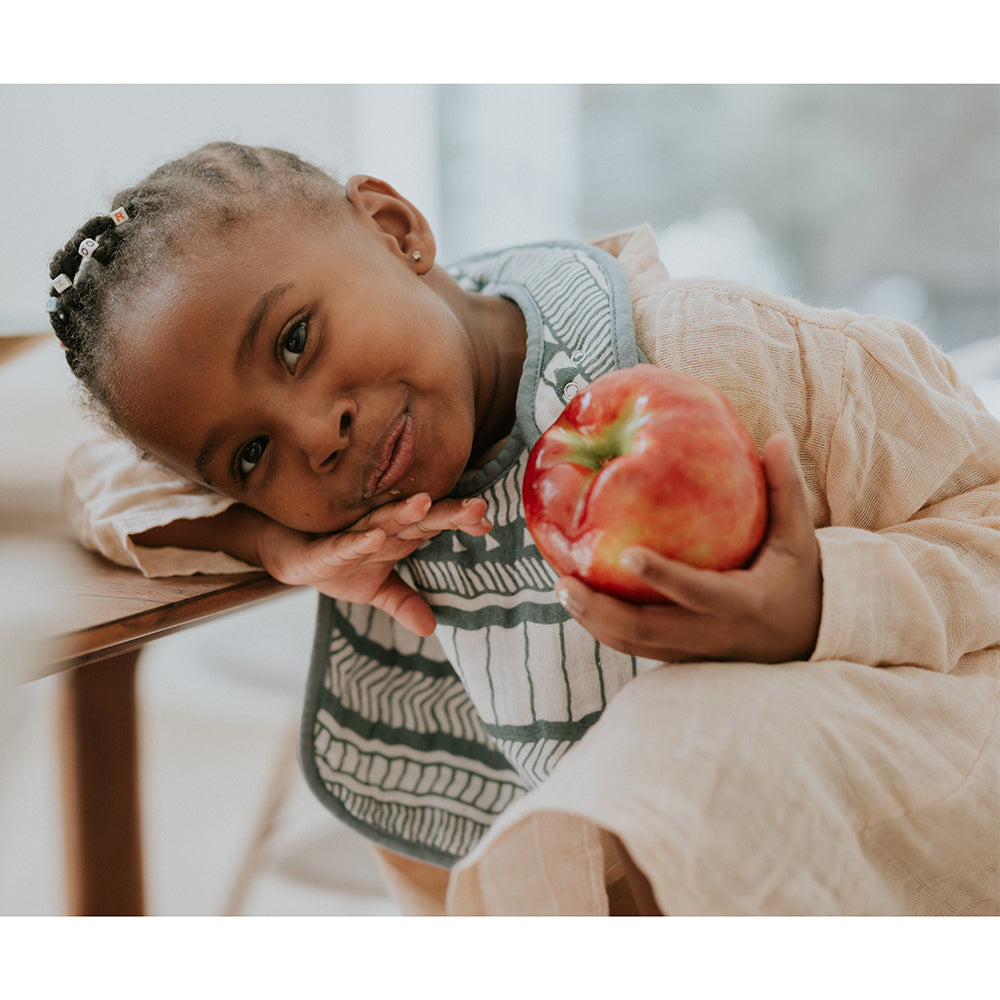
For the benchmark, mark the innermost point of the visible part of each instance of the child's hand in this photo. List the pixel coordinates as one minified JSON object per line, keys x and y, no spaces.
{"x":768,"y":613}
{"x":358,"y":564}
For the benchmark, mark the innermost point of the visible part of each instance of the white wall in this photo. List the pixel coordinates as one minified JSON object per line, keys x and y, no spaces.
{"x":397,"y":141}
{"x":67,"y":149}
{"x":510,"y":164}
{"x":488,"y":165}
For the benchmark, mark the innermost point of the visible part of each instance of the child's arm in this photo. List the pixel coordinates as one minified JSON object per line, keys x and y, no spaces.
{"x":768,"y":613}
{"x":906,"y":504}
{"x":356,"y":565}
{"x":138,"y":514}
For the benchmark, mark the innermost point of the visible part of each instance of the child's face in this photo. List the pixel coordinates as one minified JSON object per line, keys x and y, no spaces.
{"x":304,"y":367}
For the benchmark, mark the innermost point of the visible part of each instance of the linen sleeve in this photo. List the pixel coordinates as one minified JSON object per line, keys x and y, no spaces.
{"x":911,"y":561}
{"x":111,"y":493}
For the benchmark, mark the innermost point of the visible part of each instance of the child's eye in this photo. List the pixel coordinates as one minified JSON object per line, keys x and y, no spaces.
{"x":293,"y":344}
{"x":249,"y":455}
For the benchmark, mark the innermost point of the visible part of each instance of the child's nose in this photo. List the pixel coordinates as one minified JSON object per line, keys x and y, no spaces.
{"x":324,"y":435}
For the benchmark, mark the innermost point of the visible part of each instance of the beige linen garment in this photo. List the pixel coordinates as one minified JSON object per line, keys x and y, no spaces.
{"x":865,"y":781}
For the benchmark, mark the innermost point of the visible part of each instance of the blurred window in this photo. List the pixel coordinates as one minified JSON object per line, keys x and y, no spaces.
{"x":885,"y":199}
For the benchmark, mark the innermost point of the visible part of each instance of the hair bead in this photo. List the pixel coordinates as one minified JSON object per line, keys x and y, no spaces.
{"x":218,"y":178}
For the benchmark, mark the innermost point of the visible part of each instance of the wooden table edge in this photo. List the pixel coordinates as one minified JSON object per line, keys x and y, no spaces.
{"x":99,"y":735}
{"x":78,"y":647}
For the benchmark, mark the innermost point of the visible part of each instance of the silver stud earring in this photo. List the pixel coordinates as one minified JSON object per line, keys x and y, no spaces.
{"x":416,"y":255}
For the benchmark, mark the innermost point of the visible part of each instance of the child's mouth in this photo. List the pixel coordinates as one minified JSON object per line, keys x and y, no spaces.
{"x":395,"y":457}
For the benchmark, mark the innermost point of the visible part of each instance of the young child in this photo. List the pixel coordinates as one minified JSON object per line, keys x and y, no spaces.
{"x":315,"y":394}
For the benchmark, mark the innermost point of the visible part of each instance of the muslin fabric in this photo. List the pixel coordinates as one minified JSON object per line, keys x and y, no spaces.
{"x":864,"y":781}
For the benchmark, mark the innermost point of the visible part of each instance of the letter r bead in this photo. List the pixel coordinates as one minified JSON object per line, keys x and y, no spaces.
{"x":119,"y":215}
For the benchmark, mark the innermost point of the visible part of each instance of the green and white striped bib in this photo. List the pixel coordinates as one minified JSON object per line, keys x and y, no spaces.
{"x":421,"y":743}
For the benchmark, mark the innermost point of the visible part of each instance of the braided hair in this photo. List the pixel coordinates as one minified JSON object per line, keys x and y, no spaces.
{"x":216,"y":186}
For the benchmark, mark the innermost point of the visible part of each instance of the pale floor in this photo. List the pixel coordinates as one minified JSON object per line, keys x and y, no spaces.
{"x":218,"y":716}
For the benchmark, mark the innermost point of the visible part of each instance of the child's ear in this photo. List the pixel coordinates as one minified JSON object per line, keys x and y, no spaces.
{"x":396,"y":217}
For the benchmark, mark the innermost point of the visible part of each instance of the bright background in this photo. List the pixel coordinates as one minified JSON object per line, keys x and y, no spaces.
{"x":883,"y":198}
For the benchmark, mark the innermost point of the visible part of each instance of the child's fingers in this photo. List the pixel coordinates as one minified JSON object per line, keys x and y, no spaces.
{"x":455,"y":513}
{"x":309,"y":562}
{"x":468,"y":516}
{"x":408,"y":607}
{"x":688,"y":586}
{"x":790,"y":523}
{"x":606,"y":618}
{"x":417,"y":517}
{"x":470,"y":513}
{"x":392,"y":517}
{"x":627,"y":627}
{"x":344,"y":549}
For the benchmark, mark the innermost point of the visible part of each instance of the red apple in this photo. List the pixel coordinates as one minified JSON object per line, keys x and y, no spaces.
{"x":645,"y":456}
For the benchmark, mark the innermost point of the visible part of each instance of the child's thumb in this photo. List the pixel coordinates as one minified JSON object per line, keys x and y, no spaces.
{"x":790,"y":519}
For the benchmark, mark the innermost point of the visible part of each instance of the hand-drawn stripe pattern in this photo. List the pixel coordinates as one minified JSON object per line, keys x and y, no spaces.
{"x":421,"y":743}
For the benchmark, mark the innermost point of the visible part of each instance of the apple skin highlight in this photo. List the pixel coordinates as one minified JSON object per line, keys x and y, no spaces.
{"x":651,"y":457}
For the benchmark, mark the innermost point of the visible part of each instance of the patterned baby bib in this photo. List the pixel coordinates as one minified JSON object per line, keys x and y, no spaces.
{"x":421,"y":743}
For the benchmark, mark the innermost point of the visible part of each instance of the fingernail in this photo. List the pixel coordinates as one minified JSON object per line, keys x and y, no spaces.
{"x":632,"y":561}
{"x":564,"y":598}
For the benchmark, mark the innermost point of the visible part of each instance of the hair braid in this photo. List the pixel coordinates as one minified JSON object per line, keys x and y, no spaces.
{"x":214,"y":187}
{"x":68,"y":260}
{"x":71,"y":313}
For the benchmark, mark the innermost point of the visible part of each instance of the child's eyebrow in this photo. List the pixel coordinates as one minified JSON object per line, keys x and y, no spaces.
{"x":204,"y":458}
{"x":264,"y":303}
{"x":218,"y":436}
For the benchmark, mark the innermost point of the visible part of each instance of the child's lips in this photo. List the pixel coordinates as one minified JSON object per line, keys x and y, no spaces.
{"x":395,"y":456}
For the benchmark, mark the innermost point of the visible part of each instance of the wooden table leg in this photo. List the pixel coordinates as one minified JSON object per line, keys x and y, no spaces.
{"x":100,"y":769}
